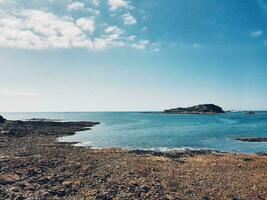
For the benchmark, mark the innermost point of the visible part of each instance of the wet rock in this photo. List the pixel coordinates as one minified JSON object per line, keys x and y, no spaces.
{"x":144,"y":188}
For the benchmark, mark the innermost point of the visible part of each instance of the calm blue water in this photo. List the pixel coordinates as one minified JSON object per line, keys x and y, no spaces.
{"x":135,"y":130}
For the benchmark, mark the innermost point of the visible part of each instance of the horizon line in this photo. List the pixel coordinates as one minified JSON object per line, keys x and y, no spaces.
{"x":79,"y":111}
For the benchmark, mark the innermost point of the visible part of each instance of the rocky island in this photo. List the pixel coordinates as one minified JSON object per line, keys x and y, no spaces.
{"x":34,"y":165}
{"x":198,"y":109}
{"x":250,"y":112}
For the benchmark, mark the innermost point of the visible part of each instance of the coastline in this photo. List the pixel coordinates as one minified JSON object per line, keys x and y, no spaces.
{"x":35,"y":165}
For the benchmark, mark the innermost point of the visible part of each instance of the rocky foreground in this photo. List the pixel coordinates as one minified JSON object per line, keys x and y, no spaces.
{"x":33,"y":165}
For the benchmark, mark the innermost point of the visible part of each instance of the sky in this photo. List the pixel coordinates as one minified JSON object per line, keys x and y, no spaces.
{"x":132,"y":55}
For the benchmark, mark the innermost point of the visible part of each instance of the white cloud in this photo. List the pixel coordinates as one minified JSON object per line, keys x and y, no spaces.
{"x":93,"y":11}
{"x":141,"y":44}
{"x":116,"y":4}
{"x":86,"y":24}
{"x":95,"y":2}
{"x":131,"y":37}
{"x":76,"y":6}
{"x":129,"y":19}
{"x":113,"y":30}
{"x":37,"y":29}
{"x":256,"y":33}
{"x":114,"y":36}
{"x":48,"y":24}
{"x":99,"y":44}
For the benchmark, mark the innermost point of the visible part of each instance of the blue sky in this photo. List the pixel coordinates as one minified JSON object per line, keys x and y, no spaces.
{"x":114,"y":55}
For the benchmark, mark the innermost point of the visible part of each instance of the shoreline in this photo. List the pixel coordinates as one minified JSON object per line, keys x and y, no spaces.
{"x":184,"y":149}
{"x":35,"y":165}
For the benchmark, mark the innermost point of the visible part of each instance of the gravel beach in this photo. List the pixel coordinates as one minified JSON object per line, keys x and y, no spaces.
{"x":34,"y":165}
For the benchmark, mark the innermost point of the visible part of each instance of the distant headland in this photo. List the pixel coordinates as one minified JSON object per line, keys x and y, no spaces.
{"x":198,"y":109}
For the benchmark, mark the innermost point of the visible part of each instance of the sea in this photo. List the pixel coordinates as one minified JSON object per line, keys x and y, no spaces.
{"x":163,"y":132}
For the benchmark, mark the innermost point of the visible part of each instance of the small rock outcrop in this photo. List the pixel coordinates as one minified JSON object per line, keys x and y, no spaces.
{"x":259,"y":139}
{"x":199,"y":109}
{"x":2,"y":119}
{"x":250,"y":112}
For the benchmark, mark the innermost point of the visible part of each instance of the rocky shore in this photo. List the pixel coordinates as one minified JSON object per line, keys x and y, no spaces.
{"x":33,"y":165}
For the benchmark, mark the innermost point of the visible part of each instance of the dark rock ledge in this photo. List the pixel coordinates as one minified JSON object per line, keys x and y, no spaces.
{"x":255,"y":139}
{"x":43,"y":127}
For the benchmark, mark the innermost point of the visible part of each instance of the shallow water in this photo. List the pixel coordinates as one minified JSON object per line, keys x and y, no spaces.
{"x":136,"y":130}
